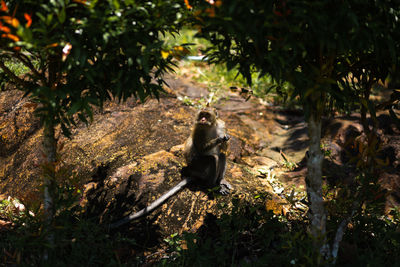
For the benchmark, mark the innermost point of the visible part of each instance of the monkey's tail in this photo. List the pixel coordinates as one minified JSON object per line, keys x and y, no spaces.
{"x":153,"y":205}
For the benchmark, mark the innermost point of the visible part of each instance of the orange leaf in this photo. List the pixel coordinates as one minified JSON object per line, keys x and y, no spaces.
{"x":4,"y":28}
{"x":10,"y":20}
{"x":17,"y":48}
{"x":188,"y":6}
{"x":3,"y":6}
{"x":80,"y":1}
{"x":217,"y":3}
{"x":28,"y":20}
{"x":10,"y":36}
{"x":51,"y":45}
{"x":210,"y":12}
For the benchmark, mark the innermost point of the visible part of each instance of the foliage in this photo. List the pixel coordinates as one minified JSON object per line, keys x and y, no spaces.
{"x":373,"y":56}
{"x":16,"y":67}
{"x":251,"y":236}
{"x":76,"y":237}
{"x":186,"y":36}
{"x":78,"y":240}
{"x":216,"y":76}
{"x":322,"y":54}
{"x":79,"y":54}
{"x":244,"y":236}
{"x":247,"y":235}
{"x":376,"y":238}
{"x":85,"y":52}
{"x":302,"y":42}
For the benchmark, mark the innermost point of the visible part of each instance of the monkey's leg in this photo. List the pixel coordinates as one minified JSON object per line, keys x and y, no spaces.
{"x":203,"y":169}
{"x":225,"y":186}
{"x":217,"y":172}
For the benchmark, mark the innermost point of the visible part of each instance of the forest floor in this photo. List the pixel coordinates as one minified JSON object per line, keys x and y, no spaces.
{"x":131,"y":153}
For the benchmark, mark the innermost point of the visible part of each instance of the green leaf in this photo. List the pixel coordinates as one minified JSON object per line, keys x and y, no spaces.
{"x":74,"y":108}
{"x":62,"y":16}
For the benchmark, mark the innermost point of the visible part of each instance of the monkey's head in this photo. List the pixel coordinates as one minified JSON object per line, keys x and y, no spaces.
{"x":206,"y":117}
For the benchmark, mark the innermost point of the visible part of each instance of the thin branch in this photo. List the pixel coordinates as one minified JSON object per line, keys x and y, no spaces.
{"x":340,"y":232}
{"x":24,"y":59}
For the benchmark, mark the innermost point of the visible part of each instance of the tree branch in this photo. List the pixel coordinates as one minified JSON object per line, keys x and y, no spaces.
{"x":340,"y":232}
{"x":25,"y":60}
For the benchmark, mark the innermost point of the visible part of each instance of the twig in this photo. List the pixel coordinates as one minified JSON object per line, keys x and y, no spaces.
{"x":286,"y":158}
{"x":340,"y":232}
{"x":24,"y":59}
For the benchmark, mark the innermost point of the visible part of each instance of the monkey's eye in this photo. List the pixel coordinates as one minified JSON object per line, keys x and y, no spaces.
{"x":203,"y":115}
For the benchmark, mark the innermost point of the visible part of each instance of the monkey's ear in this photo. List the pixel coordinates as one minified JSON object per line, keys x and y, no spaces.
{"x":216,"y":112}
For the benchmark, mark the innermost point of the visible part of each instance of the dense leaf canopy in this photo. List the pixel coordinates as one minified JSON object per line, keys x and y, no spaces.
{"x":312,"y":44}
{"x":83,"y":52}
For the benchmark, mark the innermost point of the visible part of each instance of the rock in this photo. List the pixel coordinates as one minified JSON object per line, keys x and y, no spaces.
{"x":187,"y":87}
{"x":271,"y":154}
{"x":131,"y":154}
{"x":260,"y":161}
{"x":277,"y":205}
{"x":177,"y":150}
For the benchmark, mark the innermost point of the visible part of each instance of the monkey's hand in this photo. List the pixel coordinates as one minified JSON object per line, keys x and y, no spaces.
{"x":216,"y":141}
{"x":223,"y":139}
{"x":225,"y":187}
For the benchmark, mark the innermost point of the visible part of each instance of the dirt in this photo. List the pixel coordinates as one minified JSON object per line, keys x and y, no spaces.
{"x":131,"y":153}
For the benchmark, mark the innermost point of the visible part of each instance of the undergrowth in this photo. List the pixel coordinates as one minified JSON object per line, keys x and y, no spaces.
{"x":16,"y":67}
{"x":252,"y":236}
{"x":246,"y":235}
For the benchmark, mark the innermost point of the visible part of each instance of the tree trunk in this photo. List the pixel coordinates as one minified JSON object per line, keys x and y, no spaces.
{"x":49,"y":142}
{"x":49,"y":145}
{"x":49,"y":149}
{"x":314,"y":185}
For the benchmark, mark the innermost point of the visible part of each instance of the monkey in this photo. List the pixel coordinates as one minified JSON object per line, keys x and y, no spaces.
{"x":204,"y":152}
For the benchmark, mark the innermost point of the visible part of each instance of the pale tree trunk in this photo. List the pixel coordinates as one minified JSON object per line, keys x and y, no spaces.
{"x":49,"y":145}
{"x":314,"y":185}
{"x":49,"y":150}
{"x":49,"y":142}
{"x":317,"y":211}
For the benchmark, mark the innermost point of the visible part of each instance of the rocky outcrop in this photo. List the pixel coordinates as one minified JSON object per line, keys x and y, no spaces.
{"x":132,"y":153}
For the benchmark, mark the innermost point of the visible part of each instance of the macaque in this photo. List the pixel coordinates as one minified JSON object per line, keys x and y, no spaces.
{"x":205,"y":151}
{"x":205,"y":157}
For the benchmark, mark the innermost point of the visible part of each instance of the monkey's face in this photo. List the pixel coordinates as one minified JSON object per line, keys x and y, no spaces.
{"x":206,"y":118}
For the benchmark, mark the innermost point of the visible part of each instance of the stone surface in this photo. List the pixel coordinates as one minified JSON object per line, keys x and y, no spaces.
{"x":132,"y":153}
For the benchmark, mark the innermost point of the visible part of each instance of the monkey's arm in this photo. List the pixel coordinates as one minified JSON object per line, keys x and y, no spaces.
{"x":153,"y":205}
{"x":216,"y":141}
